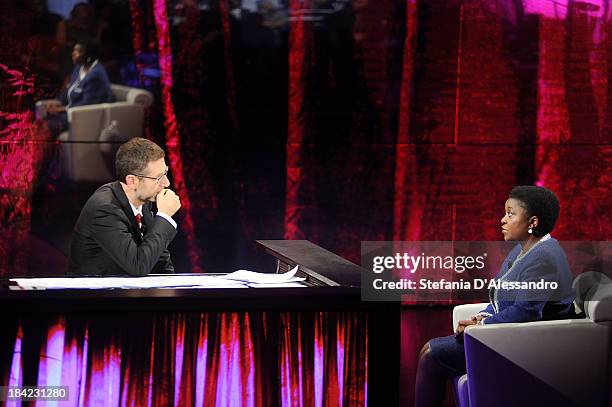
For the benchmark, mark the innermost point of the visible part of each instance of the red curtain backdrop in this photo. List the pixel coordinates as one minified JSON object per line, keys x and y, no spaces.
{"x":506,"y":93}
{"x":375,"y":124}
{"x":378,"y":120}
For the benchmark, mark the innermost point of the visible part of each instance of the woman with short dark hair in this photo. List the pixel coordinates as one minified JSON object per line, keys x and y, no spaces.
{"x":530,"y":215}
{"x":88,"y":85}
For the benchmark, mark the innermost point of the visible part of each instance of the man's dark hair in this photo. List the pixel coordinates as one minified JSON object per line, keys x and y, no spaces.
{"x":133,"y":156}
{"x":540,"y":202}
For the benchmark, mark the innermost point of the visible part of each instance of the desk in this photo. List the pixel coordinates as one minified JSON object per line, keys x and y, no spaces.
{"x":186,"y":346}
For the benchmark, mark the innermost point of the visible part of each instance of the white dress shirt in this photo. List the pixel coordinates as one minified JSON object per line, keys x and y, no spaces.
{"x":138,"y":211}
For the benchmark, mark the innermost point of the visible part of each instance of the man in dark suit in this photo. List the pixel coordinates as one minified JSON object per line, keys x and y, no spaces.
{"x":117,"y":232}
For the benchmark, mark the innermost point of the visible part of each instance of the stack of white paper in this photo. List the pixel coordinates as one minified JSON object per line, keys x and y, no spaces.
{"x":261,"y":280}
{"x":237,"y":279}
{"x":196,"y":281}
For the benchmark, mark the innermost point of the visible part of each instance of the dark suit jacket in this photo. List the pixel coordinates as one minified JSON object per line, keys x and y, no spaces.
{"x":94,"y":88}
{"x":106,"y":239}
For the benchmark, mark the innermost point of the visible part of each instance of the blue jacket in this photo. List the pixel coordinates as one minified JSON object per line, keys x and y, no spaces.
{"x":94,"y":88}
{"x":545,"y":262}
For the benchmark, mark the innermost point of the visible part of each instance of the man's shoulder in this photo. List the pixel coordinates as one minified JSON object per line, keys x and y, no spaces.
{"x":105,"y":196}
{"x":105,"y":192}
{"x":102,"y":205}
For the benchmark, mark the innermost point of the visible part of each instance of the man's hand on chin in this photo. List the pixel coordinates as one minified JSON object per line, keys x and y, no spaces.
{"x":168,"y":202}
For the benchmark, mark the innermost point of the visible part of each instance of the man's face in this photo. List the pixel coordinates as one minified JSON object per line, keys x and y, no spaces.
{"x":148,"y":188}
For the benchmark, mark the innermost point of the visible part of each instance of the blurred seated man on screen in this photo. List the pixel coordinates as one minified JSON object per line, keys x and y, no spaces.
{"x":117,"y":232}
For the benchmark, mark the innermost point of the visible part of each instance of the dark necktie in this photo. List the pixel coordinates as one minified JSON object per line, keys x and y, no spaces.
{"x":139,"y":222}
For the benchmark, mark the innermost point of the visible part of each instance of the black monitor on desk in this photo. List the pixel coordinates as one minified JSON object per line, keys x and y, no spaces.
{"x":320,"y":267}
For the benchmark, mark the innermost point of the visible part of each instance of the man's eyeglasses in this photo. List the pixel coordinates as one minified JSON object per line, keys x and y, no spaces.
{"x":156,"y":179}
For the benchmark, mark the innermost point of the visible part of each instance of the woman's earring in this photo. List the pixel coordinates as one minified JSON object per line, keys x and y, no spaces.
{"x":530,"y":230}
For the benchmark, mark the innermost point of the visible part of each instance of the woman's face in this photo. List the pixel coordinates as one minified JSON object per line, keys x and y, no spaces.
{"x":78,"y":54}
{"x":515,"y":222}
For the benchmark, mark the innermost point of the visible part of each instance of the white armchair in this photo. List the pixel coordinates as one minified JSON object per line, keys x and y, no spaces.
{"x":460,"y":383}
{"x":563,"y":362}
{"x":84,"y":155}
